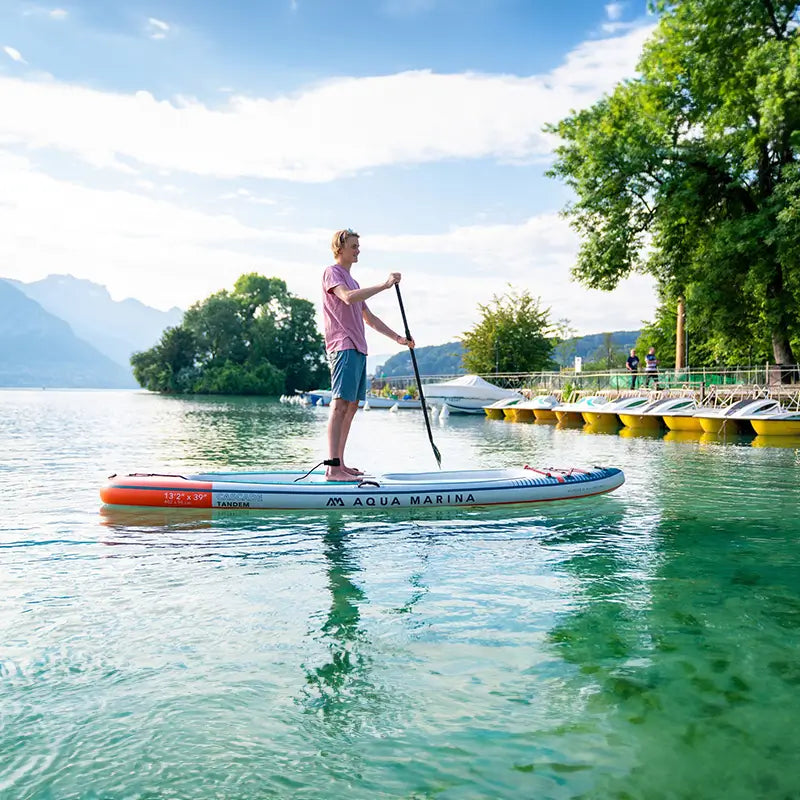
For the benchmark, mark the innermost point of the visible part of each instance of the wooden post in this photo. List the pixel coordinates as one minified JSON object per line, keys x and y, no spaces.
{"x":680,"y":340}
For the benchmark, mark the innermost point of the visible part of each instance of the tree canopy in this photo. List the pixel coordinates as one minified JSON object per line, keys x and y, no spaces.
{"x":257,"y":339}
{"x":690,"y":173}
{"x":512,"y":336}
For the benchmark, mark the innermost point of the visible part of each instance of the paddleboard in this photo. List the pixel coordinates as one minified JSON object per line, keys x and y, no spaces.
{"x":296,"y":490}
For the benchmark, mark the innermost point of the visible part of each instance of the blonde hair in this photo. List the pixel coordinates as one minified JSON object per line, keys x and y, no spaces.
{"x":339,"y":238}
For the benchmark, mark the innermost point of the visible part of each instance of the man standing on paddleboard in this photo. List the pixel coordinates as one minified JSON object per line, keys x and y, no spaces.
{"x":345,"y":311}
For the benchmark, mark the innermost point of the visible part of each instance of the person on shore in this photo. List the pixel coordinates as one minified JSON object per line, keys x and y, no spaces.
{"x":632,"y":365}
{"x":345,"y":312}
{"x":651,"y":368}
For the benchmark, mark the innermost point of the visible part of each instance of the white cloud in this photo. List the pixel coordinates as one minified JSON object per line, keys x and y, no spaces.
{"x":614,"y":10}
{"x":406,"y":118}
{"x":167,"y":254}
{"x":156,"y":28}
{"x":39,"y":11}
{"x":246,"y":194}
{"x":14,"y":54}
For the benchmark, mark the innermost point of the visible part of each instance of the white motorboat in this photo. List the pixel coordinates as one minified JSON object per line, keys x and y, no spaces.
{"x":540,"y":407}
{"x":572,"y":413}
{"x":608,"y":414}
{"x":467,"y":394}
{"x":379,"y":401}
{"x":738,"y":417}
{"x":784,"y":423}
{"x":499,"y":408}
{"x":322,"y":397}
{"x":651,"y":417}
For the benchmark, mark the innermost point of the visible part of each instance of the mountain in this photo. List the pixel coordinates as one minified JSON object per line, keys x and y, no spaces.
{"x":115,"y":328}
{"x":445,"y":359}
{"x":589,"y":347}
{"x":374,"y":363}
{"x":38,"y":349}
{"x":440,"y":359}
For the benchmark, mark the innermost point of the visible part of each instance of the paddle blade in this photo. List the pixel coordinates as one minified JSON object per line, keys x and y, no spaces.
{"x":437,"y":455}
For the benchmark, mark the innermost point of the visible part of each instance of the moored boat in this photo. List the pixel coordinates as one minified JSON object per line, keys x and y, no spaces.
{"x":572,"y":413}
{"x":684,"y":420}
{"x":651,"y":417}
{"x":608,"y":414}
{"x":526,"y":411}
{"x":379,"y":401}
{"x":785,"y":423}
{"x":738,"y":417}
{"x":497,"y":410}
{"x":296,"y":490}
{"x":322,"y":397}
{"x":467,"y":394}
{"x":543,"y":410}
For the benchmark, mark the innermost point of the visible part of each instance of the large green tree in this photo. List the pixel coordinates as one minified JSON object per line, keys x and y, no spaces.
{"x":514,"y":334}
{"x":257,"y":339}
{"x":690,"y":172}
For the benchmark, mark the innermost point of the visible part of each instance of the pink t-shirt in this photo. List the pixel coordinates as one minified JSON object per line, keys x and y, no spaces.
{"x":344,"y":324}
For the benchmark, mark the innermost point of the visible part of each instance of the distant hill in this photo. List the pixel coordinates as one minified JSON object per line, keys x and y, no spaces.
{"x":445,"y":359}
{"x":38,"y":349}
{"x":587,"y":347}
{"x":115,"y":328}
{"x":441,"y":359}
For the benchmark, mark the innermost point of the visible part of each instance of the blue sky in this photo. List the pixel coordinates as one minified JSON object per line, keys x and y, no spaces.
{"x":164,"y":148}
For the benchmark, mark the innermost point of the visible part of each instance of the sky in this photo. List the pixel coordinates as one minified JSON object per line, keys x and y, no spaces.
{"x":164,"y":148}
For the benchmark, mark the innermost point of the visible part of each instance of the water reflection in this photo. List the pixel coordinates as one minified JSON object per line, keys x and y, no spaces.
{"x":683,"y":436}
{"x":607,"y":427}
{"x":640,"y":433}
{"x":333,"y":686}
{"x":724,"y":438}
{"x":239,"y":432}
{"x":790,"y":442}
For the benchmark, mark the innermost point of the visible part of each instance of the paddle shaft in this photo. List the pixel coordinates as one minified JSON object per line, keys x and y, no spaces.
{"x":436,"y":453}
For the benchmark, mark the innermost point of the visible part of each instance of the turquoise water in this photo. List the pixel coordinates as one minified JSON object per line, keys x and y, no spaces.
{"x":643,"y":644}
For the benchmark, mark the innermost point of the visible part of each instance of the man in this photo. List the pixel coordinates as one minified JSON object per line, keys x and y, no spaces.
{"x":632,"y":365}
{"x":345,"y":311}
{"x":651,"y":367}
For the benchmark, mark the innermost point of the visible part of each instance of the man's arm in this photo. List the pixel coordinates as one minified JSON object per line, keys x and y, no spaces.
{"x":349,"y":296}
{"x":379,"y":325}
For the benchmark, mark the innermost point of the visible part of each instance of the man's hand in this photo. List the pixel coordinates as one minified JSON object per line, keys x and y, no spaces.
{"x":405,"y":342}
{"x":394,"y":277}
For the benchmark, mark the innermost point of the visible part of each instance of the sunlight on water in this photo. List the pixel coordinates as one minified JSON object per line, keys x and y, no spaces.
{"x":642,"y":644}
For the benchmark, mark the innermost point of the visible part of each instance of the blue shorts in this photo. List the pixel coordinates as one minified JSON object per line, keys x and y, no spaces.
{"x":348,"y":375}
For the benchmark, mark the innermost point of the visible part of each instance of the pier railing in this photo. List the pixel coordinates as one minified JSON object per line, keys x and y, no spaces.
{"x":710,"y":386}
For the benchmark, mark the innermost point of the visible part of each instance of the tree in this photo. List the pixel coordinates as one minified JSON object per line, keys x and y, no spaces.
{"x":512,"y":336}
{"x":160,"y":368}
{"x":689,"y":172}
{"x":258,"y":339}
{"x":607,"y":356}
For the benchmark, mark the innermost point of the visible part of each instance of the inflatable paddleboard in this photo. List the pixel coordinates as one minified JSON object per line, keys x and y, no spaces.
{"x":296,"y":490}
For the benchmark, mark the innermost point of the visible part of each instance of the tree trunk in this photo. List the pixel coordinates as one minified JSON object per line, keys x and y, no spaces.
{"x":778,"y":305}
{"x":680,"y":339}
{"x":781,"y":348}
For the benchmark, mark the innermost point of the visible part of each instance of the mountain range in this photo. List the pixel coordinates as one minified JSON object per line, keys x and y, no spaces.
{"x":67,"y":332}
{"x":445,"y":359}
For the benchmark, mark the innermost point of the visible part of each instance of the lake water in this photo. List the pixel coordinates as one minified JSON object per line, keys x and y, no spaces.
{"x":643,"y":644}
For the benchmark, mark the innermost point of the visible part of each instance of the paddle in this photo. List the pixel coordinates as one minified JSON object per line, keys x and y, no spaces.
{"x":436,"y":452}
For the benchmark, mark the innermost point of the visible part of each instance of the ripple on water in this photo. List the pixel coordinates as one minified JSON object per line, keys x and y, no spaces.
{"x":635,"y":645}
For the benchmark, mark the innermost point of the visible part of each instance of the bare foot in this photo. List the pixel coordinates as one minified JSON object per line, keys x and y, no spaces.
{"x":353,"y":470}
{"x":338,"y":474}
